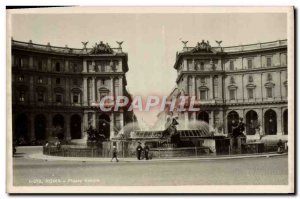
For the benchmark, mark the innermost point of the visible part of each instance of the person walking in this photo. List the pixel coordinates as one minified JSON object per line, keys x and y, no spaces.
{"x":114,"y":154}
{"x":280,"y":146}
{"x":139,"y":150}
{"x":146,"y":150}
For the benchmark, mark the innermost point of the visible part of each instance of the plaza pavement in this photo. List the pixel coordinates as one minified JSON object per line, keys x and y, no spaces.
{"x":31,"y":168}
{"x":41,"y":156}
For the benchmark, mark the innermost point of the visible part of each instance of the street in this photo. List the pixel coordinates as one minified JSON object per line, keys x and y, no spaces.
{"x":248,"y":171}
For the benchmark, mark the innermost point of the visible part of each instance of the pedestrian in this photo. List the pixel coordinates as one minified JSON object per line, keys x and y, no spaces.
{"x":241,"y":127}
{"x":114,"y":154}
{"x":139,"y":150}
{"x":146,"y":150}
{"x":280,"y":146}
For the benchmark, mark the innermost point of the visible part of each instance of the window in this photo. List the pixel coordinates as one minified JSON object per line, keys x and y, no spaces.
{"x":269,"y":77}
{"x":269,"y":62}
{"x":202,"y":80}
{"x":190,"y":85}
{"x":216,"y":81}
{"x":283,"y":59}
{"x":115,"y":65}
{"x":20,"y":62}
{"x":75,"y":68}
{"x":57,"y":67}
{"x":58,"y":98}
{"x":250,"y":93}
{"x":216,"y":86}
{"x":250,"y":79}
{"x":40,"y":80}
{"x":102,"y":67}
{"x":75,"y":82}
{"x":75,"y":98}
{"x":196,"y":66}
{"x":231,"y":65}
{"x":269,"y":92}
{"x":40,"y":65}
{"x":57,"y":80}
{"x":232,"y":94}
{"x":201,"y":66}
{"x":250,"y":64}
{"x":21,"y":78}
{"x":40,"y":96}
{"x":232,"y":81}
{"x":203,"y":95}
{"x":21,"y":96}
{"x":189,"y":64}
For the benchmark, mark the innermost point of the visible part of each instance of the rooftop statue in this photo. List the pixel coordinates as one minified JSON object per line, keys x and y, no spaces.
{"x":84,"y":45}
{"x":184,"y":43}
{"x":202,"y":47}
{"x":120,"y":43}
{"x":101,"y":48}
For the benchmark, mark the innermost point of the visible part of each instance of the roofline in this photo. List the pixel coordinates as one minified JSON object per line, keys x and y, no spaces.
{"x":60,"y":50}
{"x":65,"y":51}
{"x":233,"y":50}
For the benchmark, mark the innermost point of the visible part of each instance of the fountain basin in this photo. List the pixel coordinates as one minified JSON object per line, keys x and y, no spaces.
{"x":192,"y":143}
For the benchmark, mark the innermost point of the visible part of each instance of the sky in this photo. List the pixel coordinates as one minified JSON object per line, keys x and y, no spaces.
{"x":151,"y":40}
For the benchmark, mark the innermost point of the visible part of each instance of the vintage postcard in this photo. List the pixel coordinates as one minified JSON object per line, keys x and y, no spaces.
{"x":150,"y":100}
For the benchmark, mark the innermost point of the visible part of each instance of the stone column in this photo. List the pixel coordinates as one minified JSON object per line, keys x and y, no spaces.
{"x":221,"y":120}
{"x":67,"y":66}
{"x":49,"y":89}
{"x":196,"y":89}
{"x":94,"y":119}
{"x":120,"y":86}
{"x":49,"y":125}
{"x":31,"y":129}
{"x":193,"y":86}
{"x":194,"y":116}
{"x":49,"y":66}
{"x":31,"y":91}
{"x":262,"y":122}
{"x":92,"y":69}
{"x":211,"y":87}
{"x":112,"y":87}
{"x":225,"y":122}
{"x":186,"y":87}
{"x":85,"y":123}
{"x":185,"y":67}
{"x":85,"y":91}
{"x":112,"y":125}
{"x":186,"y":119}
{"x":31,"y":66}
{"x":67,"y":91}
{"x":67,"y":131}
{"x":93,"y":90}
{"x":260,"y":118}
{"x":121,"y":123}
{"x":211,"y":121}
{"x":243,"y":89}
{"x":84,"y":66}
{"x":279,"y":121}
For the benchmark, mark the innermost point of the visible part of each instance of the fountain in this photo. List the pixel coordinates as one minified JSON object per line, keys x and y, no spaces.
{"x":189,"y":139}
{"x":178,"y":138}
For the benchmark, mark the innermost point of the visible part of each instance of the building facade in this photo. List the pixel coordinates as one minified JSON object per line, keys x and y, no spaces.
{"x":248,"y":81}
{"x":54,"y":88}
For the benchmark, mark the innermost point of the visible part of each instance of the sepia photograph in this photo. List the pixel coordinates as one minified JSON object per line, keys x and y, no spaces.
{"x":150,"y":100}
